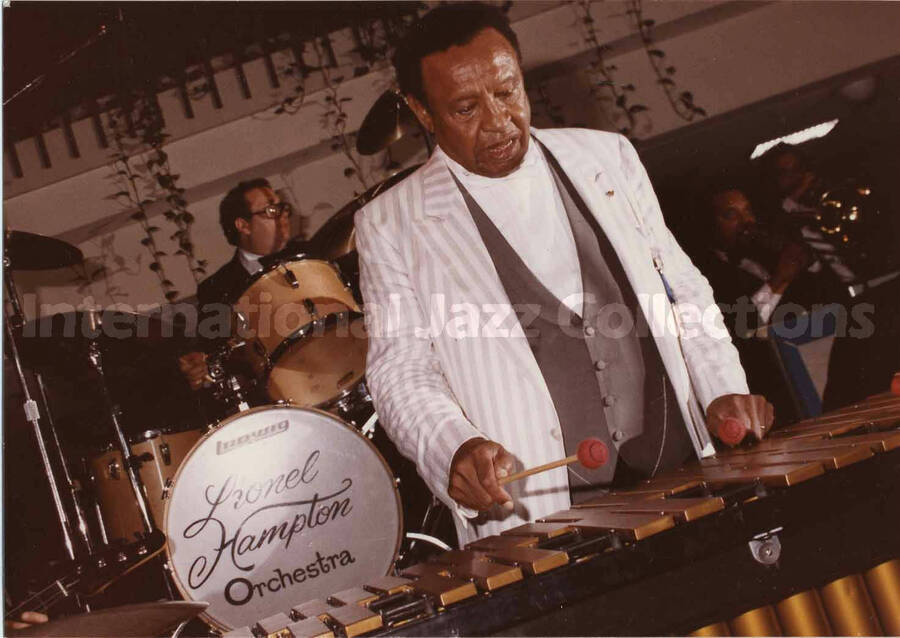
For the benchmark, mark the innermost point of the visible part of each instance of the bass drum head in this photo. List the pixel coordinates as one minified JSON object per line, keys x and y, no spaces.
{"x":276,"y":506}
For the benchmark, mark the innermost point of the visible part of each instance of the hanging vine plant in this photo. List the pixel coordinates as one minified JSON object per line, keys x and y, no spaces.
{"x":553,"y":111}
{"x":297,"y":71}
{"x":605,"y":81}
{"x":142,"y":171}
{"x":682,"y":102}
{"x":120,"y":123}
{"x":153,"y":135}
{"x":335,"y":117}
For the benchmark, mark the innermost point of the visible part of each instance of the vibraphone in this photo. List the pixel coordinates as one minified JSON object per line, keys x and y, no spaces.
{"x":798,"y":535}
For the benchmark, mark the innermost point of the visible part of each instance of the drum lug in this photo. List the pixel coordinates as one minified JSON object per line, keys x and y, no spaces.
{"x":164,"y":495}
{"x":166,"y":454}
{"x":766,"y":547}
{"x":310,"y":308}
{"x":291,"y":278}
{"x":113,"y":470}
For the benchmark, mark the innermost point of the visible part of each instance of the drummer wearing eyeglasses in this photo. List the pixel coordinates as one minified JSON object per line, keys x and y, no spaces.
{"x":257,"y":223}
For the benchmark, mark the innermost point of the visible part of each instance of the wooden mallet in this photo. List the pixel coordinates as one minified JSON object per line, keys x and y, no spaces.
{"x":591,"y":453}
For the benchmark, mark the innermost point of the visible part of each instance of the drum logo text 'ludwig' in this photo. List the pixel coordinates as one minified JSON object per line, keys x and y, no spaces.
{"x":278,"y":506}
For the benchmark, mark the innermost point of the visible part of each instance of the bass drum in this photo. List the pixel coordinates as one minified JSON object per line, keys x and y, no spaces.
{"x":276,"y":506}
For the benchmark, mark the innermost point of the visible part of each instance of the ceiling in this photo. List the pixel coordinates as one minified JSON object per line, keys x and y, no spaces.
{"x":89,"y":50}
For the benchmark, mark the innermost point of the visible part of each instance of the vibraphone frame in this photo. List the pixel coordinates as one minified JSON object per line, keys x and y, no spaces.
{"x":801,"y":531}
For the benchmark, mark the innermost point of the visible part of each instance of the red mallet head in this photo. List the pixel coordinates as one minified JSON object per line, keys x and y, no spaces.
{"x":732,"y":431}
{"x":895,"y":384}
{"x":592,"y":453}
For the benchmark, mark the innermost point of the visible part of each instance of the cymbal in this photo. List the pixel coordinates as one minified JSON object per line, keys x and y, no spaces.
{"x":124,"y":338}
{"x":141,"y":619}
{"x":337,"y":236}
{"x":384,"y":124}
{"x":29,"y":251}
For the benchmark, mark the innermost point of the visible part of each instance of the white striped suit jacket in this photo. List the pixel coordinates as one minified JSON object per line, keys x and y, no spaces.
{"x":442,"y":367}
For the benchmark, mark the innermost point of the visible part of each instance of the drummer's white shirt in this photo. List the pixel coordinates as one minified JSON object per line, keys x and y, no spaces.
{"x":250,"y":261}
{"x":527,"y":209}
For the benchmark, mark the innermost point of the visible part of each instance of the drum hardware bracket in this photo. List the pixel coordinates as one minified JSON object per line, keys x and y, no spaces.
{"x":291,"y":278}
{"x":113,"y":470}
{"x":166,"y":454}
{"x":766,"y":547}
{"x":310,"y":308}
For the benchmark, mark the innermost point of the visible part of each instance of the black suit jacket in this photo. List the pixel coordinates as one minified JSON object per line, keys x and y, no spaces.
{"x":225,"y":285}
{"x":215,"y":295}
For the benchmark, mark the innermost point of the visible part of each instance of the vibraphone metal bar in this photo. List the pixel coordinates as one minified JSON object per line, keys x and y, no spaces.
{"x":798,"y":534}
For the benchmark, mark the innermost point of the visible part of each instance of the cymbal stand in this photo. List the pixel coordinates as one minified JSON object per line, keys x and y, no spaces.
{"x":131,"y":462}
{"x":32,"y":414}
{"x":67,"y":475}
{"x":226,"y":387}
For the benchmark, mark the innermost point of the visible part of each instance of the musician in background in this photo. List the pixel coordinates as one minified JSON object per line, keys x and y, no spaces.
{"x":751,"y":276}
{"x":862,"y":366}
{"x":790,"y":181}
{"x":743,"y":263}
{"x":257,"y":223}
{"x":563,"y":227}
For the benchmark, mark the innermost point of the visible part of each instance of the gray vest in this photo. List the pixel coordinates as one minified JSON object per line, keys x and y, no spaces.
{"x":603,"y":369}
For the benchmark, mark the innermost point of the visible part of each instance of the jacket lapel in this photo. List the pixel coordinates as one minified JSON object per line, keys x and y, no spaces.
{"x":449,"y":235}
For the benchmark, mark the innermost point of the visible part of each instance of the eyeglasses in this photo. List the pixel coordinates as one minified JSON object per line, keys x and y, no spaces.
{"x":273,"y":211}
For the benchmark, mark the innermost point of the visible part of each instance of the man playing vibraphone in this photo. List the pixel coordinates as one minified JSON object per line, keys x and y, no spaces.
{"x":520,"y":292}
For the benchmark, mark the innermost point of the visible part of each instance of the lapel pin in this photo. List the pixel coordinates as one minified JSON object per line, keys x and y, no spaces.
{"x":610,"y":193}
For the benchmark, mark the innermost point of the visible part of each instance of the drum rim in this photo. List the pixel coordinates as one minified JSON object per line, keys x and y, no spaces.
{"x":297,"y":257}
{"x":142,"y":437}
{"x":204,"y":615}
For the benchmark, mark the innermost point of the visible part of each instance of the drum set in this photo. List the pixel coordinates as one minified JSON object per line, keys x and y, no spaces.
{"x":299,"y":495}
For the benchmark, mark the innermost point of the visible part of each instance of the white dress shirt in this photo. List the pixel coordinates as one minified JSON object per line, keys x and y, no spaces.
{"x":250,"y":261}
{"x":527,"y":209}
